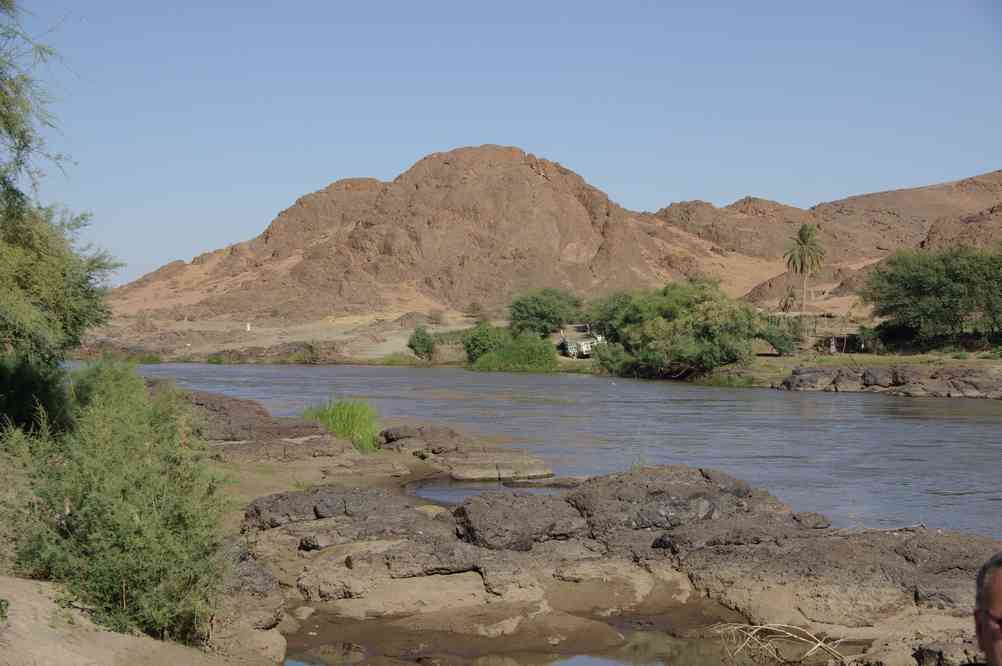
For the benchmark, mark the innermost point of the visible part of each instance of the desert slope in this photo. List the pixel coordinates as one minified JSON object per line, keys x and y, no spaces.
{"x":473,"y":224}
{"x":480,"y":224}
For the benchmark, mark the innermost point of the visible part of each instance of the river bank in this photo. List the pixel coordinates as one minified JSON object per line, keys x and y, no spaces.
{"x":934,"y":374}
{"x":335,"y":558}
{"x":677,"y":548}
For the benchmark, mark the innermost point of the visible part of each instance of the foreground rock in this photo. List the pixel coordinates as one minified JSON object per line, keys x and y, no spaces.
{"x":461,"y":457}
{"x":902,"y":380}
{"x":549,"y":571}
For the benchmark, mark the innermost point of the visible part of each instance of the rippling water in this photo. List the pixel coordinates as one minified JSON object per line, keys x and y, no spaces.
{"x":861,"y":459}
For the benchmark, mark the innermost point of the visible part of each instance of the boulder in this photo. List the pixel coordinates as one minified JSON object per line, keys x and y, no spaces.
{"x":513,"y":521}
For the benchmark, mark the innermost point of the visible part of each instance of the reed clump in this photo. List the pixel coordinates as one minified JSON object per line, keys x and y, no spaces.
{"x":354,"y":420}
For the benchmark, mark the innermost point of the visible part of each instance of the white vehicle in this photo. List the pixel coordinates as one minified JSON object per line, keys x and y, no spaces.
{"x":577,"y":341}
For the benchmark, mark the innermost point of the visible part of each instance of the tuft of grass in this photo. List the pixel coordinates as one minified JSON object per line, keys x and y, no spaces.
{"x":354,"y":420}
{"x":4,"y":607}
{"x":399,"y":359}
{"x":726,"y":381}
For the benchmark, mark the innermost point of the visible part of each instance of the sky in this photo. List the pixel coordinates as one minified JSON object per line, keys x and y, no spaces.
{"x":192,"y":124}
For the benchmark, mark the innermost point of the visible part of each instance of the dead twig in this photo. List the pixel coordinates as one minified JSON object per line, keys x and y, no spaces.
{"x":767,"y":639}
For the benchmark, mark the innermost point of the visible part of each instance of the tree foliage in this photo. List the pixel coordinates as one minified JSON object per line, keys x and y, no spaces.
{"x":50,"y":291}
{"x":24,"y":110}
{"x":685,"y":329}
{"x":940,"y":295}
{"x":50,"y":288}
{"x":805,"y":256}
{"x":543,"y":311}
{"x":421,"y":343}
{"x":127,"y":515}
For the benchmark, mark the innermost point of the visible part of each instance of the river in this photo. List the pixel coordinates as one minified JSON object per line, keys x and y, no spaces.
{"x":861,"y":459}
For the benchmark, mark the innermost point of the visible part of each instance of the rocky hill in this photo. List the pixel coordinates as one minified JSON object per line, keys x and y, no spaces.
{"x":480,"y":224}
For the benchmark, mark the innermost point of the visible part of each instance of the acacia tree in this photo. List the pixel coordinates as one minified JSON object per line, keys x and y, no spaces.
{"x":50,"y":288}
{"x":543,"y":311}
{"x":805,"y":256}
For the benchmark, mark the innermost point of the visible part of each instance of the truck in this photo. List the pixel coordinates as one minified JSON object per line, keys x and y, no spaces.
{"x":578,"y":341}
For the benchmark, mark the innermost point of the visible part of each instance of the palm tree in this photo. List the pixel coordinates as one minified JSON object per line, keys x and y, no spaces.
{"x":805,"y":256}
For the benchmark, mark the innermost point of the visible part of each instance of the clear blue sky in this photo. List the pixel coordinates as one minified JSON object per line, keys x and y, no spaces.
{"x":193,"y":123}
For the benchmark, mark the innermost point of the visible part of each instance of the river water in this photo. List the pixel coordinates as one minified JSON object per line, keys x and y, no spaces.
{"x":861,"y":459}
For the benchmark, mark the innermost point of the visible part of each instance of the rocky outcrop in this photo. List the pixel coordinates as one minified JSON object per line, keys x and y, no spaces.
{"x":669,"y":541}
{"x":463,"y":458}
{"x":901,"y":380}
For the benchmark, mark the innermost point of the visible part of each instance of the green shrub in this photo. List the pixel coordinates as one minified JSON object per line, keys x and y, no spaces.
{"x":30,"y":387}
{"x":938,"y":297}
{"x":216,"y":359}
{"x":525,"y":353}
{"x":127,"y":515}
{"x":784,"y":342}
{"x":484,"y":339}
{"x":960,"y":356}
{"x":614,"y":359}
{"x":421,"y":343}
{"x":686,"y":329}
{"x":4,"y":607}
{"x":354,"y":420}
{"x":543,"y":311}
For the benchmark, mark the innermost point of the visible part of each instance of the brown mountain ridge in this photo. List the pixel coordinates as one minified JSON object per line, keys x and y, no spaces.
{"x":480,"y":224}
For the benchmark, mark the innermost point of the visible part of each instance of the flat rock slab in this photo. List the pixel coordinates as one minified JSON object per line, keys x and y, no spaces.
{"x":507,"y":521}
{"x":463,"y":458}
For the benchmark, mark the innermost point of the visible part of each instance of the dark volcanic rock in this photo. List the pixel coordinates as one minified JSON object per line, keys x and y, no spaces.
{"x":318,"y":503}
{"x":646,"y":541}
{"x":903,"y":380}
{"x":504,"y":521}
{"x":435,"y":439}
{"x":666,"y":497}
{"x":224,"y":418}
